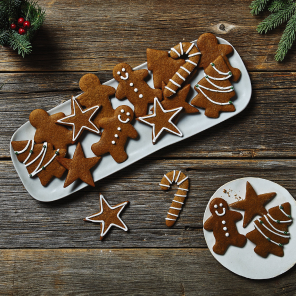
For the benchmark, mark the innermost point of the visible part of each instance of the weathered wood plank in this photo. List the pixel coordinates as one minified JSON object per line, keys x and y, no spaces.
{"x":128,"y":272}
{"x":98,"y":34}
{"x":27,"y":223}
{"x":267,"y":125}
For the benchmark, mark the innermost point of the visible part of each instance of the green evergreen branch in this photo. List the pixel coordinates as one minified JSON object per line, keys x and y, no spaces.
{"x":258,"y":5}
{"x":287,"y":39}
{"x":276,"y":19}
{"x":20,"y":43}
{"x":277,"y":5}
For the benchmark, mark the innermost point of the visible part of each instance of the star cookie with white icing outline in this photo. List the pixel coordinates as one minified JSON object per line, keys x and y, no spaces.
{"x":161,"y":120}
{"x":80,"y":120}
{"x":108,"y":216}
{"x":253,"y":204}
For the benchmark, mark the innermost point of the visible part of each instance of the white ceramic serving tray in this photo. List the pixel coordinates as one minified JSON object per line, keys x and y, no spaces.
{"x":244,"y":261}
{"x":136,"y":149}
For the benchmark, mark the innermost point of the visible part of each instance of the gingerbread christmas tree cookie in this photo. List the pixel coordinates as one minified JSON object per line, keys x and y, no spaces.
{"x":80,"y":120}
{"x":133,"y":87}
{"x":96,"y":94}
{"x":39,"y":159}
{"x":222,"y":223}
{"x":108,"y":216}
{"x":271,"y":231}
{"x":79,"y":167}
{"x":253,"y":204}
{"x":161,"y":120}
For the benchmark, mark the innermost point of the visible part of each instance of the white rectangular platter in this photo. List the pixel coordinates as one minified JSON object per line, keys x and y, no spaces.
{"x":136,"y":149}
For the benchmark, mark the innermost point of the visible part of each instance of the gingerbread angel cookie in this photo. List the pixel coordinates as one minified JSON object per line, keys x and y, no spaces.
{"x":133,"y":86}
{"x":96,"y":94}
{"x":222,"y":223}
{"x":210,"y":50}
{"x":117,"y":130}
{"x":48,"y":131}
{"x":215,"y":90}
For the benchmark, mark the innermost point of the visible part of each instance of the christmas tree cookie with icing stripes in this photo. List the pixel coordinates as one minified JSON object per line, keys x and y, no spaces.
{"x":183,"y":188}
{"x":215,"y":90}
{"x":270,"y":232}
{"x":39,"y":159}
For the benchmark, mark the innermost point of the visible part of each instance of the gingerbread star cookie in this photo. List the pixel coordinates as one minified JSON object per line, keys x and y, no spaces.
{"x":96,"y":94}
{"x":79,"y":167}
{"x":253,"y":204}
{"x":178,"y":100}
{"x":48,"y":131}
{"x":161,"y":120}
{"x":80,"y":120}
{"x":108,"y":216}
{"x":133,"y":87}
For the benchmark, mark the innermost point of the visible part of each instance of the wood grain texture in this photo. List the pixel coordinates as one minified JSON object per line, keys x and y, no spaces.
{"x":264,"y":129}
{"x":128,"y":272}
{"x":27,"y":223}
{"x":96,"y":35}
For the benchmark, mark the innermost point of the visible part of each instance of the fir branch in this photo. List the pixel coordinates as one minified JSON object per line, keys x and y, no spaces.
{"x":20,"y":43}
{"x":4,"y":36}
{"x":276,"y":19}
{"x":287,"y":39}
{"x":277,"y":5}
{"x":258,"y":5}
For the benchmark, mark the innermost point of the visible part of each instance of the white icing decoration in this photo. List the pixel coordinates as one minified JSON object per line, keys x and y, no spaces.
{"x":265,"y":235}
{"x":218,"y":71}
{"x":135,"y":90}
{"x":128,"y":114}
{"x":225,"y":228}
{"x":118,"y":73}
{"x":180,"y":195}
{"x":123,"y":69}
{"x":182,"y":203}
{"x":173,"y":49}
{"x":222,"y":214}
{"x":119,"y":128}
{"x":94,"y":129}
{"x":181,"y":48}
{"x":216,"y":78}
{"x":113,"y":142}
{"x":183,"y":189}
{"x":189,"y":49}
{"x":215,"y":90}
{"x":182,"y":181}
{"x":131,"y":84}
{"x":176,"y":208}
{"x":221,"y":204}
{"x":168,"y":179}
{"x":283,"y":212}
{"x":103,"y":231}
{"x":44,"y":149}
{"x":266,"y":218}
{"x":174,"y":175}
{"x":176,"y":111}
{"x":215,"y":206}
{"x":214,"y":102}
{"x":186,"y":70}
{"x":123,"y":121}
{"x":226,"y":234}
{"x":164,"y":185}
{"x":170,"y":219}
{"x":191,"y":62}
{"x":25,"y":149}
{"x":29,"y":155}
{"x":116,"y":136}
{"x":286,"y":236}
{"x":173,"y":214}
{"x":193,"y":54}
{"x":40,"y":153}
{"x":223,"y":222}
{"x":124,"y":77}
{"x":173,"y":82}
{"x":122,"y":110}
{"x":140,"y":96}
{"x":178,"y":176}
{"x":180,"y":76}
{"x":278,"y":221}
{"x":217,"y":86}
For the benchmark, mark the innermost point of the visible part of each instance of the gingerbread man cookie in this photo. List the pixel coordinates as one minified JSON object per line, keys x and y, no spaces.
{"x":222,"y":223}
{"x":133,"y":86}
{"x":117,"y":130}
{"x":48,"y":131}
{"x":210,"y":50}
{"x":96,"y":94}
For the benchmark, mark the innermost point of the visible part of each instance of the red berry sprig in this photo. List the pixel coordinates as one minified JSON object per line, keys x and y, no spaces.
{"x":20,"y":21}
{"x":27,"y":24}
{"x":21,"y":31}
{"x":22,"y":26}
{"x":12,"y":26}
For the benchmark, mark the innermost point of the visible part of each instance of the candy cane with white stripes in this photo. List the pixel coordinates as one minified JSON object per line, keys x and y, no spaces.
{"x":183,"y":48}
{"x":183,"y":187}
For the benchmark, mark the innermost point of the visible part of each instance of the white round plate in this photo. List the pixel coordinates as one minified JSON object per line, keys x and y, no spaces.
{"x":244,"y":261}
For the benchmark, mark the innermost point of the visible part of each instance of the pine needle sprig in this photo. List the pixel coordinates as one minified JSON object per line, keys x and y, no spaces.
{"x":287,"y":39}
{"x":258,"y":5}
{"x":20,"y":43}
{"x":277,"y":5}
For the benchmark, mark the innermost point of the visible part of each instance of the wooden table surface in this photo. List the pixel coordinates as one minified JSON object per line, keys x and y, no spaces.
{"x":46,"y":248}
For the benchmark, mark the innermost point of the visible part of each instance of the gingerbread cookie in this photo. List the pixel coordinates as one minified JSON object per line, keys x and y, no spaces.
{"x":271,"y":231}
{"x":96,"y":94}
{"x":183,"y":187}
{"x":117,"y":130}
{"x":183,"y":49}
{"x":133,"y":86}
{"x":39,"y":159}
{"x":48,"y":131}
{"x":108,"y":216}
{"x":162,"y":65}
{"x":79,"y":167}
{"x":80,"y":120}
{"x":161,"y":120}
{"x":215,"y":90}
{"x":178,"y":100}
{"x":253,"y":204}
{"x":210,"y":50}
{"x":222,"y":223}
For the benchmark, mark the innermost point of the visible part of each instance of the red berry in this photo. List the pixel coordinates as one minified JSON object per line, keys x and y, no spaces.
{"x":12,"y":26}
{"x":21,"y":31}
{"x":27,"y":24}
{"x":20,"y":21}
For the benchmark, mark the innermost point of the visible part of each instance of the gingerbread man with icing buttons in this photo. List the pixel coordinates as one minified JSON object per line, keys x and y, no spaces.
{"x":117,"y":130}
{"x":222,"y":223}
{"x":133,"y":87}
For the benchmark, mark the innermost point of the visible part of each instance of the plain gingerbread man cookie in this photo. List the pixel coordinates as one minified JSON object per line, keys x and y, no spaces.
{"x":117,"y":130}
{"x":133,"y":86}
{"x":48,"y":131}
{"x":96,"y":94}
{"x":222,"y":223}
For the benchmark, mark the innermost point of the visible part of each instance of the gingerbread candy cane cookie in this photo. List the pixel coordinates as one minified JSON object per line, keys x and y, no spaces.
{"x":183,"y":48}
{"x":176,"y":206}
